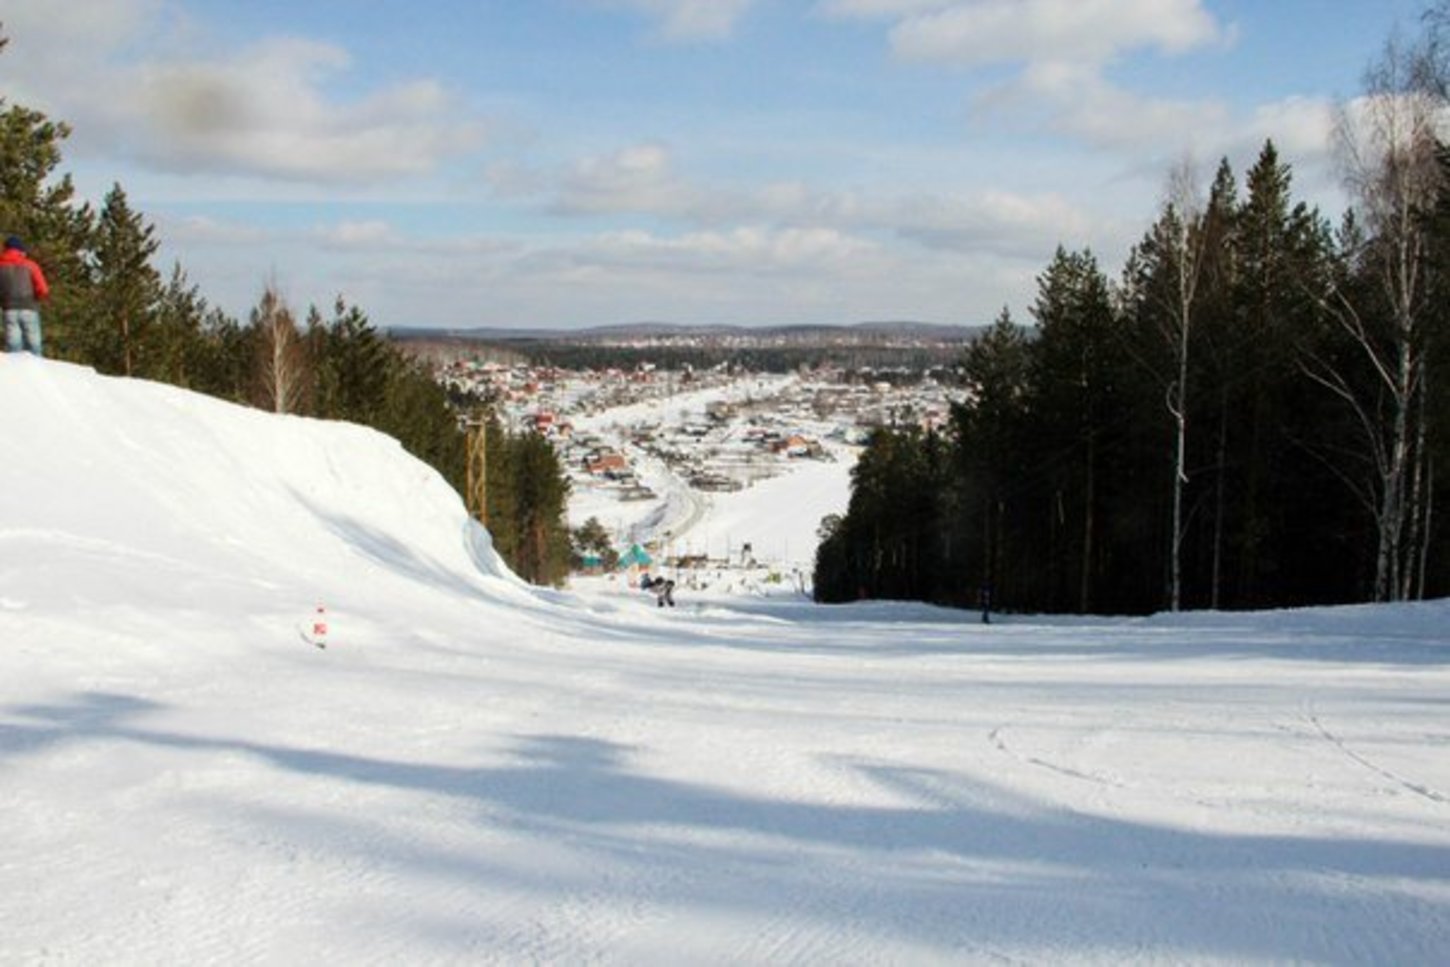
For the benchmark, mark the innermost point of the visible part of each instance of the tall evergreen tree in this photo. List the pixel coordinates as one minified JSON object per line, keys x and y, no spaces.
{"x":415,"y":410}
{"x":1277,"y":241}
{"x":987,"y":428}
{"x":1219,"y":335}
{"x":1077,"y":360}
{"x":353,"y":364}
{"x":196,"y":345}
{"x":127,"y":289}
{"x":541,"y":493}
{"x":892,"y":542}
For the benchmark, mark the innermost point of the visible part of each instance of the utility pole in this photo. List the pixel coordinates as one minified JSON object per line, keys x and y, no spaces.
{"x":477,"y":485}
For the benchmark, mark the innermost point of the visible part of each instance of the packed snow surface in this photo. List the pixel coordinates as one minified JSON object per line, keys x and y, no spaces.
{"x":475,"y":771}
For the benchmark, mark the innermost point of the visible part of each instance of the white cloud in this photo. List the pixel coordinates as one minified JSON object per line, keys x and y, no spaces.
{"x":642,"y":180}
{"x":265,"y":112}
{"x":1300,"y":126}
{"x":753,"y":275}
{"x":135,"y":89}
{"x":747,"y":249}
{"x":369,"y":234}
{"x":1006,"y":224}
{"x":638,"y":178}
{"x":691,"y":20}
{"x":211,"y":232}
{"x":1080,"y":103}
{"x":980,"y":32}
{"x":87,"y":26}
{"x":745,"y":273}
{"x":1060,"y":50}
{"x":889,"y":9}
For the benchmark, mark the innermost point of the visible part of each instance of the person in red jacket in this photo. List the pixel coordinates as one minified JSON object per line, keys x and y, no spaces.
{"x":22,"y":289}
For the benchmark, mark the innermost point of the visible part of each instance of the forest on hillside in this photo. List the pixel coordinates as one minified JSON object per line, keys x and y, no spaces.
{"x":114,"y":310}
{"x":1255,"y":412}
{"x":1252,"y":412}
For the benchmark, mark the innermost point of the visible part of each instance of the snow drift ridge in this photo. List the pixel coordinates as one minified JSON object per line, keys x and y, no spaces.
{"x":121,"y":473}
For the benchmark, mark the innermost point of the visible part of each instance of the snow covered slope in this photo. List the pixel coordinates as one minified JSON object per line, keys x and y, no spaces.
{"x":475,"y":771}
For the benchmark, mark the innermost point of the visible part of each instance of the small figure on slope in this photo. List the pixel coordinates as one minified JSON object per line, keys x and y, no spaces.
{"x":663,"y":588}
{"x":22,"y":289}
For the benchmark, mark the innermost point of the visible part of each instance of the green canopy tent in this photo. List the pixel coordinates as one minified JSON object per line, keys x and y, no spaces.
{"x":636,"y":556}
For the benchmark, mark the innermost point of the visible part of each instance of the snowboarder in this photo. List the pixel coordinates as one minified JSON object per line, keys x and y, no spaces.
{"x":663,"y":588}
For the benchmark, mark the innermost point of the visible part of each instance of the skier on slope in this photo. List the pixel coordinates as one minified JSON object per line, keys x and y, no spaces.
{"x":663,"y":588}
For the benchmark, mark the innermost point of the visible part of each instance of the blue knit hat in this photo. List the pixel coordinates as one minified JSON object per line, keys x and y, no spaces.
{"x":13,"y":241}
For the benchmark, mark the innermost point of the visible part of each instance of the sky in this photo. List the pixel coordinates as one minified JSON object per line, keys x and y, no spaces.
{"x":569,"y":163}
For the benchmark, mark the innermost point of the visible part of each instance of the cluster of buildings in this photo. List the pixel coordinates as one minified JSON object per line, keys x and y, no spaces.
{"x":626,"y":435}
{"x":547,"y":398}
{"x":544,"y":398}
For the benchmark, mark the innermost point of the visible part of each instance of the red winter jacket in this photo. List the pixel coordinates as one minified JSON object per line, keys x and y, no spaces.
{"x":22,"y":284}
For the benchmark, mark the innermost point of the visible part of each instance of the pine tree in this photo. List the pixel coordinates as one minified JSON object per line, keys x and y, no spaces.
{"x":541,"y":493}
{"x":415,"y":410}
{"x":592,"y":538}
{"x":1076,"y":361}
{"x":127,"y":289}
{"x":1219,"y":335}
{"x":194,"y":344}
{"x":987,"y":427}
{"x":353,"y":364}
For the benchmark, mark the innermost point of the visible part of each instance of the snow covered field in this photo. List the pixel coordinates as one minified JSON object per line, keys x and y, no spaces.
{"x":474,"y":771}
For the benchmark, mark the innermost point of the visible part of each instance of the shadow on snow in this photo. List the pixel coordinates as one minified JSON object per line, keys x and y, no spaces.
{"x":963,"y":865}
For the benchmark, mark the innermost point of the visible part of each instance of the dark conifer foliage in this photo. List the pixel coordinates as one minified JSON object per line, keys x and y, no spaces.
{"x":889,"y":544}
{"x":1279,"y":375}
{"x":127,"y":291}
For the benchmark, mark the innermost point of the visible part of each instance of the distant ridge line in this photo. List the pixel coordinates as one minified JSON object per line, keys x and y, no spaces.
{"x":902,"y":330}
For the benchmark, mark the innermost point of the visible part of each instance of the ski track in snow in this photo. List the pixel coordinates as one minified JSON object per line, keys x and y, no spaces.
{"x":1312,"y":717}
{"x":996,"y":738}
{"x":475,"y":771}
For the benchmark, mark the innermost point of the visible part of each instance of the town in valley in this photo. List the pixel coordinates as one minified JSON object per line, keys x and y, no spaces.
{"x":672,"y":436}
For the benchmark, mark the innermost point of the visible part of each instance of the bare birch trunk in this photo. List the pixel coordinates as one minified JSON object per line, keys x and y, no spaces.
{"x":282,"y":375}
{"x":1389,"y":150}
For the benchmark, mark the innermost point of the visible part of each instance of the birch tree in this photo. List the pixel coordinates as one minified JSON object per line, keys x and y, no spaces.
{"x":281,"y":374}
{"x":1387,"y":141}
{"x":1183,"y":241}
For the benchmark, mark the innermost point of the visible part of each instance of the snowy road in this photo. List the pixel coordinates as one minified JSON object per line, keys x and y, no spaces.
{"x":779,"y":516}
{"x":478,"y":772}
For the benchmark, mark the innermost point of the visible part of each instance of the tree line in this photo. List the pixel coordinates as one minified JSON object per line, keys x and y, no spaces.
{"x":113,"y":310}
{"x":564,"y":353}
{"x":1254,"y":413}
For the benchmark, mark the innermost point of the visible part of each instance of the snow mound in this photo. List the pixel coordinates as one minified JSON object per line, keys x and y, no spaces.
{"x":124,"y":490}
